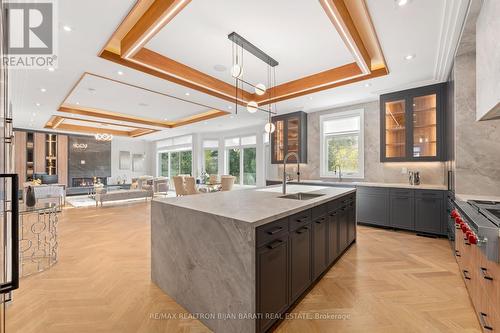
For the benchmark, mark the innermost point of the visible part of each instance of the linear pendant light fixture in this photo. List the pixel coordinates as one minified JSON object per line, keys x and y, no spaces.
{"x":240,"y":45}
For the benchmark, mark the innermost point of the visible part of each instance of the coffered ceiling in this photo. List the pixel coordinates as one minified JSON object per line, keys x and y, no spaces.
{"x":321,"y":61}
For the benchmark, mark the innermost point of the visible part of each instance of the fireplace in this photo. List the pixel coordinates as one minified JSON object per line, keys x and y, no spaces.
{"x":86,"y":181}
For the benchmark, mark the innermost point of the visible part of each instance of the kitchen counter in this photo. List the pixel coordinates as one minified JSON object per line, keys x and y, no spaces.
{"x":255,"y":206}
{"x":467,"y":197}
{"x":203,"y":248}
{"x":368,"y":184}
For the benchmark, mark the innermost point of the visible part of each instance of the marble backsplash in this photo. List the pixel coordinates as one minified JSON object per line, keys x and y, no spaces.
{"x":431,"y":172}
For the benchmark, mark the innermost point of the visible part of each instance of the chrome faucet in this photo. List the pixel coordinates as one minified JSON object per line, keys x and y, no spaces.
{"x":285,"y":159}
{"x":340,"y":171}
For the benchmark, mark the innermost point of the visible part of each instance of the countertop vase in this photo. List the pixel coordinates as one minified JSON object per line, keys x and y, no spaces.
{"x":30,"y":197}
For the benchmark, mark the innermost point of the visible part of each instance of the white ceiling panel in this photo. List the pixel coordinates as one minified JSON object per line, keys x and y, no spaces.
{"x":298,"y":34}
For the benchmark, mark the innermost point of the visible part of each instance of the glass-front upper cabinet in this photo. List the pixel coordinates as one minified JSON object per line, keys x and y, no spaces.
{"x":412,"y":124}
{"x":290,"y":135}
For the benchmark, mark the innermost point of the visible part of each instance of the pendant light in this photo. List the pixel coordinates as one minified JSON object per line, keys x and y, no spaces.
{"x":269,"y":127}
{"x":252,"y":107}
{"x":260,"y":89}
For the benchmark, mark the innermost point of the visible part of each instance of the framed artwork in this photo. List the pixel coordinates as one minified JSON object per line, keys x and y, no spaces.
{"x":124,"y":160}
{"x":138,"y":162}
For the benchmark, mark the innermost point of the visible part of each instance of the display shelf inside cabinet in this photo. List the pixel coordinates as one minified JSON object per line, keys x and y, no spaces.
{"x":290,"y":135}
{"x":412,"y":124}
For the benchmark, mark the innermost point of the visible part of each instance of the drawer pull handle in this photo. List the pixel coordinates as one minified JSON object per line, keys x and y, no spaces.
{"x":333,"y":214}
{"x":275,"y":244}
{"x":466,"y":274}
{"x":321,"y":220}
{"x":305,"y":218}
{"x":483,"y":322}
{"x":274,"y":231}
{"x":302,"y":230}
{"x":483,"y":273}
{"x":457,"y":253}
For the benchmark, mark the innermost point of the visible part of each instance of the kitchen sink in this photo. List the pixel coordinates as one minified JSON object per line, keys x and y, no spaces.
{"x":301,"y":196}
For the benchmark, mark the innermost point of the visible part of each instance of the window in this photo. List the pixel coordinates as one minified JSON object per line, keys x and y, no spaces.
{"x":342,"y":144}
{"x":173,"y":163}
{"x":241,"y":156}
{"x":211,"y":156}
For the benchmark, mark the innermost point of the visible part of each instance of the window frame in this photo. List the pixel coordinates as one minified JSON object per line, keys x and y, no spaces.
{"x":361,"y":144}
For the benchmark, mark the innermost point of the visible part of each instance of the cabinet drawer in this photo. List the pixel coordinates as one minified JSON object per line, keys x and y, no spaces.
{"x":299,"y":220}
{"x":431,"y":194}
{"x":372,"y":190}
{"x":319,"y":210}
{"x":271,"y":231}
{"x":400,"y":192}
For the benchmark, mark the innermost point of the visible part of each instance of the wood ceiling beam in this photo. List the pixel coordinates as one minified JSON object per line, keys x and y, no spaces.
{"x":200,"y":117}
{"x":90,"y":129}
{"x":112,"y":115}
{"x":310,"y":83}
{"x":154,"y":19}
{"x":229,"y":90}
{"x":337,"y":12}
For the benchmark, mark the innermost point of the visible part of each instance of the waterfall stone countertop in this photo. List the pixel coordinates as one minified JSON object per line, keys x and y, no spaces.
{"x":367,"y":184}
{"x":257,"y":206}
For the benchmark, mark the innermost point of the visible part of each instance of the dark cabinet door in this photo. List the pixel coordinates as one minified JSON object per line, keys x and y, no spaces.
{"x":413,"y":124}
{"x":272,"y":280}
{"x":320,"y":241}
{"x":402,"y":212}
{"x":290,"y":135}
{"x":429,"y":214}
{"x":300,"y":261}
{"x":333,"y":236}
{"x":343,"y":226}
{"x":373,"y":206}
{"x":351,"y":223}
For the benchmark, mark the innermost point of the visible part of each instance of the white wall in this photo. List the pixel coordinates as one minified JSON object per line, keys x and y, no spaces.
{"x":134,"y":146}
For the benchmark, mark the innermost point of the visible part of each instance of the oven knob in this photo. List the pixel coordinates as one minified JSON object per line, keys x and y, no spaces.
{"x":458,"y":220}
{"x":454,"y":213}
{"x":472,"y":239}
{"x":465,"y":227}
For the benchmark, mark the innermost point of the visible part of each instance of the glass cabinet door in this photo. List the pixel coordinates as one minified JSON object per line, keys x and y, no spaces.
{"x":424,"y":126}
{"x":395,"y":129}
{"x":293,"y":137}
{"x":279,"y":140}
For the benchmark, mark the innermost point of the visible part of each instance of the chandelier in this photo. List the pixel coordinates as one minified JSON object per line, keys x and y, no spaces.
{"x":240,"y":45}
{"x":103,"y":137}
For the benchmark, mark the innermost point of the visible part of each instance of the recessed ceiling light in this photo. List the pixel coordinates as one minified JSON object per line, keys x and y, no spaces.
{"x":34,"y":114}
{"x":165,"y":118}
{"x":43,"y":89}
{"x":77,"y":103}
{"x":187,"y":94}
{"x":368,"y":84}
{"x":120,"y":73}
{"x":37,"y":104}
{"x":232,"y":116}
{"x":310,"y":98}
{"x":229,"y":107}
{"x":410,"y":57}
{"x":67,"y":28}
{"x":402,"y":3}
{"x":51,"y":69}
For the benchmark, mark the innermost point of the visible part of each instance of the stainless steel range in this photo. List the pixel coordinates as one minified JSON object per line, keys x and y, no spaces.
{"x":480,"y":222}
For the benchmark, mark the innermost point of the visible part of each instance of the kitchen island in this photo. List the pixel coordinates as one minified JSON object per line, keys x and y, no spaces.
{"x":238,"y":260}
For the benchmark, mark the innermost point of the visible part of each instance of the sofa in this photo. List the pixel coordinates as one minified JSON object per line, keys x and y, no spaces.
{"x":102,"y":195}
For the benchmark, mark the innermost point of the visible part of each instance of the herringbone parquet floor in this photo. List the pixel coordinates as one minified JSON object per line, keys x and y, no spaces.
{"x":387,"y":282}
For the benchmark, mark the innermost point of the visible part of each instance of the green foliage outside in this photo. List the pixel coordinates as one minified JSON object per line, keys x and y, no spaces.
{"x":211,"y":161}
{"x":234,"y":164}
{"x":343,"y":151}
{"x":177,"y":162}
{"x":249,"y":166}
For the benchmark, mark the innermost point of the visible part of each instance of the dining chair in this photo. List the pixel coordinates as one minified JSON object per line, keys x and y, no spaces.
{"x":227,"y":182}
{"x":180,"y":189}
{"x":191,"y":186}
